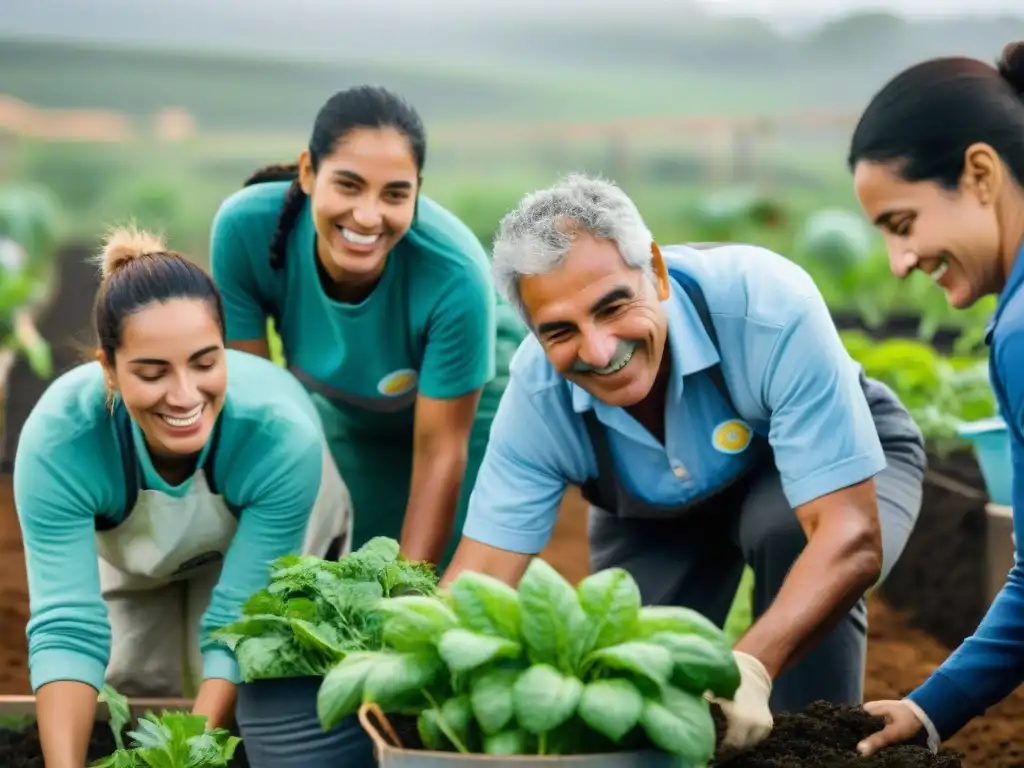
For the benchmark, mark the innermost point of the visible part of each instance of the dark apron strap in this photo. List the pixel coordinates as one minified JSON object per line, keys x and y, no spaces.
{"x":696,"y":297}
{"x":134,"y":481}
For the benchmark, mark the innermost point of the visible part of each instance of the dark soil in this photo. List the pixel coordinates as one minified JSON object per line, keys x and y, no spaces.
{"x":826,"y":736}
{"x":21,"y":749}
{"x":940,"y":580}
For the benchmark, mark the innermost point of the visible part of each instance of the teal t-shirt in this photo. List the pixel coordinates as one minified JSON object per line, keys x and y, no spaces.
{"x":428,"y":326}
{"x":69,"y":472}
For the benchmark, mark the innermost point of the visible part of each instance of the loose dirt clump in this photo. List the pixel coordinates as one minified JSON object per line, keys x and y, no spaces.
{"x":826,"y":736}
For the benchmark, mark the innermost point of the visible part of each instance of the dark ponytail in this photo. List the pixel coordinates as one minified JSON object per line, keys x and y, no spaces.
{"x":294,"y":199}
{"x":363,"y":106}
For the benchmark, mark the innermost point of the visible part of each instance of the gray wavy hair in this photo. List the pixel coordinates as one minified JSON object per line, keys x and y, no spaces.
{"x":535,"y":237}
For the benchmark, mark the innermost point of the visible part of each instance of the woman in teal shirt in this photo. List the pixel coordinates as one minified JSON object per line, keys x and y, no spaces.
{"x":154,"y":488}
{"x":385,"y":309}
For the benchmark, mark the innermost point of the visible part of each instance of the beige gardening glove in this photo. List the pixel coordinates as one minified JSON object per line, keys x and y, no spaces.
{"x":748,"y":718}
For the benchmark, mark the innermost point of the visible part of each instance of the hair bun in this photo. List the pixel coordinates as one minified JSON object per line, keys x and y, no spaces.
{"x":124,"y":244}
{"x":1011,"y":66}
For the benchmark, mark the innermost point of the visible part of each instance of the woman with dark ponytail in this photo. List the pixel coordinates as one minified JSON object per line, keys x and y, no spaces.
{"x":386,"y":311}
{"x":938,"y":164}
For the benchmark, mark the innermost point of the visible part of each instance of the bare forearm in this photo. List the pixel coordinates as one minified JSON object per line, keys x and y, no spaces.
{"x":433,"y":498}
{"x":66,"y":712}
{"x":480,"y":558}
{"x":216,"y":700}
{"x":825,"y":582}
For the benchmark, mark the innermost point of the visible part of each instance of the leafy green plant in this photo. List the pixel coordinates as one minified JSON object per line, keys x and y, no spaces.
{"x":168,"y":740}
{"x":940,"y":392}
{"x":316,"y":611}
{"x":545,"y":669}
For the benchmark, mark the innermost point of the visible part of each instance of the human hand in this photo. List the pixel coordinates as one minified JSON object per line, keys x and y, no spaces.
{"x":903,"y":720}
{"x":748,"y":717}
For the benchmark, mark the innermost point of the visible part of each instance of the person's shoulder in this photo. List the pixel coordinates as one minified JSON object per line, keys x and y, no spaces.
{"x":532,"y":374}
{"x":1007,"y":342}
{"x":254,"y":202}
{"x":267,"y":400}
{"x":248,"y":218}
{"x":745,"y":282}
{"x":70,"y":422}
{"x":448,"y":243}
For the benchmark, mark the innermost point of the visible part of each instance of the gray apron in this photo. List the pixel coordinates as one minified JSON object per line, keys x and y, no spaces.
{"x":158,"y":565}
{"x":693,"y":554}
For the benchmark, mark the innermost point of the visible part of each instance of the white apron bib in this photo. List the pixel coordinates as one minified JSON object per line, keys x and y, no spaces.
{"x":160,"y":565}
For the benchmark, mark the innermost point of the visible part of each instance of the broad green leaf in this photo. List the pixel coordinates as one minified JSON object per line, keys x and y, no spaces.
{"x":341,"y":691}
{"x":491,"y":697}
{"x":457,"y":715}
{"x":507,"y":743}
{"x":415,"y":622}
{"x":260,"y":657}
{"x":252,"y":626}
{"x":486,"y":605}
{"x":701,"y":665}
{"x":121,"y":758}
{"x":611,"y":600}
{"x":642,"y":658}
{"x":311,"y":635}
{"x":378,"y":551}
{"x":302,"y":608}
{"x":430,"y":732}
{"x":463,"y":650}
{"x":395,"y":676}
{"x":552,"y":619}
{"x":681,"y":724}
{"x":670,"y":618}
{"x":120,"y":712}
{"x":611,"y":707}
{"x":544,"y":698}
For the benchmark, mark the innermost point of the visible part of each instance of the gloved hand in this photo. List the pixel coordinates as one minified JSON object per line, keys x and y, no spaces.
{"x":748,"y":717}
{"x":903,"y":720}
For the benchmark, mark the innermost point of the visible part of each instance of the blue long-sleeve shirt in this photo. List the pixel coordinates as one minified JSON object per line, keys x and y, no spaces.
{"x":68,"y":471}
{"x":989,"y":665}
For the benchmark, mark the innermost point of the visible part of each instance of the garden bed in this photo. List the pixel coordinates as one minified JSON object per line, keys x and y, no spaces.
{"x":826,"y":736}
{"x":941,"y":580}
{"x":19,"y":737}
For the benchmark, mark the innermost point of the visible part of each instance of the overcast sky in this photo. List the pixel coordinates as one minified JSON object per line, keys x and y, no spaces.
{"x":818,"y":8}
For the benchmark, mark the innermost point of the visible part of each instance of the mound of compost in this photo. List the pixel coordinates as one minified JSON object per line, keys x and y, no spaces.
{"x":826,"y":736}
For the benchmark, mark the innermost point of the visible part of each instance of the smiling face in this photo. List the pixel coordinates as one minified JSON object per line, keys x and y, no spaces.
{"x":955,"y":236}
{"x":601,"y":322}
{"x":363,"y":198}
{"x":171,"y":373}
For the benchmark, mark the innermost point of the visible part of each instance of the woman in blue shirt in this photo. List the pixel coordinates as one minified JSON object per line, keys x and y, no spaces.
{"x":153,"y":488}
{"x":938,"y":164}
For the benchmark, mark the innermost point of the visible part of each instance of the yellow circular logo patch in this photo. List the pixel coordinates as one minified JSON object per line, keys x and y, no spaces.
{"x":732,"y":436}
{"x":398,"y":382}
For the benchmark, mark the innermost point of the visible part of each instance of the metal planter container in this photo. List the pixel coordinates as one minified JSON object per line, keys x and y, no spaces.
{"x":390,"y":753}
{"x":280,"y":728}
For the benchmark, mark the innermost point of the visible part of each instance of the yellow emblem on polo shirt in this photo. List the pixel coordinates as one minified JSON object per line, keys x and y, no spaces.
{"x":398,"y":382}
{"x":732,"y":436}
